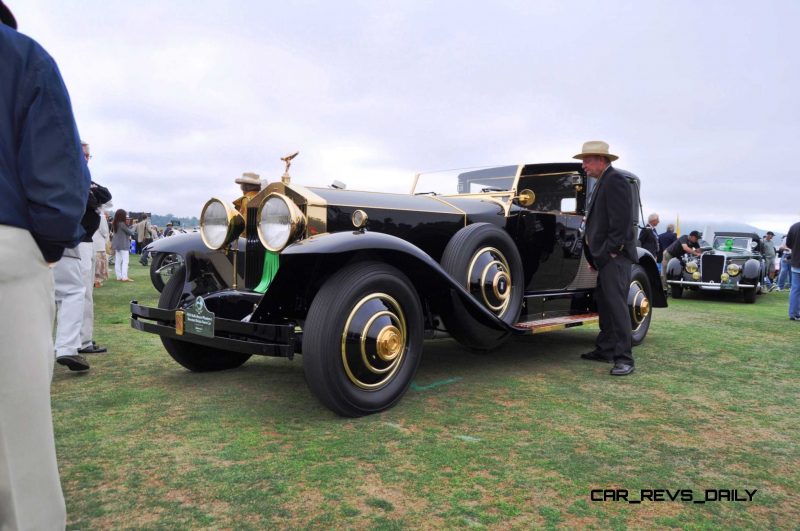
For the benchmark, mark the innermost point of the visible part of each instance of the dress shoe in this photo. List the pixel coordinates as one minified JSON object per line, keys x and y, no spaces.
{"x":621,"y":369}
{"x":596,"y":355}
{"x":94,"y":348}
{"x":75,"y":362}
{"x":794,"y":318}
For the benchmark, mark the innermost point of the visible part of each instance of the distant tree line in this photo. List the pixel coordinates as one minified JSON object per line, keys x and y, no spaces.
{"x":161,"y":221}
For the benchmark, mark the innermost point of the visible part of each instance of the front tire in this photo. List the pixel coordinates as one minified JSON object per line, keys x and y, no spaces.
{"x":485,"y":260}
{"x":196,"y":358}
{"x":677,"y":291}
{"x":639,"y":296}
{"x":749,"y":294}
{"x":362,"y":339}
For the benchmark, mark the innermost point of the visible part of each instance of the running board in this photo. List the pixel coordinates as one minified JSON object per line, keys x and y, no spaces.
{"x":558,"y":323}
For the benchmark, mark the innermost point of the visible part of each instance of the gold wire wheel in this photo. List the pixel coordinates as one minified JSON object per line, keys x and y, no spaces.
{"x":489,"y":279}
{"x":374,"y":341}
{"x":638,"y":304}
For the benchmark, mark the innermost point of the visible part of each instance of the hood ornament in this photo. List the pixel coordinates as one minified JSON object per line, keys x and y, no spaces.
{"x":285,"y":179}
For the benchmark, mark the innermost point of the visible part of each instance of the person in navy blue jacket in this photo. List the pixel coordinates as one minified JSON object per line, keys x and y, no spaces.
{"x":44,"y":185}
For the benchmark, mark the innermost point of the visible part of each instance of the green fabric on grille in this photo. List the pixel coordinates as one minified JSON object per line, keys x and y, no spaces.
{"x":271,"y":264}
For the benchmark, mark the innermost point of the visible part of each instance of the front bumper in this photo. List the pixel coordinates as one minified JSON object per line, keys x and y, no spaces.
{"x":712,"y":286}
{"x":236,"y":336}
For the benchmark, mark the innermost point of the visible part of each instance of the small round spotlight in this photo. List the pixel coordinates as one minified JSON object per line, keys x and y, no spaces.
{"x":359,"y":219}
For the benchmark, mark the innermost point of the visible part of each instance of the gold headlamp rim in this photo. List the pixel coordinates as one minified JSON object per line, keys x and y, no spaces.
{"x":235,"y":223}
{"x":296,"y":225}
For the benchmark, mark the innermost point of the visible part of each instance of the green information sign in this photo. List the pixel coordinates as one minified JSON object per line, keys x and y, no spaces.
{"x":198,"y":320}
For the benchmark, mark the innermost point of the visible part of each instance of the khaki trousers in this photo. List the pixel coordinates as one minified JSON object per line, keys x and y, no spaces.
{"x":30,"y":491}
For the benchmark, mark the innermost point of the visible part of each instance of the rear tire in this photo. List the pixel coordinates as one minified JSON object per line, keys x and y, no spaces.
{"x":196,"y":358}
{"x":362,"y":339}
{"x":484,"y":259}
{"x":639,"y":308}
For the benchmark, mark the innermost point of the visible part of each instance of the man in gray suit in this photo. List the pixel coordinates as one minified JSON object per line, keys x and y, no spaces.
{"x":610,"y":248}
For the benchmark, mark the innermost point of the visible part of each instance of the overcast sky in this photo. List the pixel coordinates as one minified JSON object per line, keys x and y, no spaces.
{"x":178,"y":98}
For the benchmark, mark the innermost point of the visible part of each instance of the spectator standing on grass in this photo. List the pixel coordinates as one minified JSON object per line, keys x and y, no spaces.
{"x":101,"y":241}
{"x":665,"y":239}
{"x":44,"y":183}
{"x":648,"y":237}
{"x":121,"y":245}
{"x":610,"y":248}
{"x":144,"y":236}
{"x":768,"y":248}
{"x":98,"y":196}
{"x":785,"y":275}
{"x":793,"y":243}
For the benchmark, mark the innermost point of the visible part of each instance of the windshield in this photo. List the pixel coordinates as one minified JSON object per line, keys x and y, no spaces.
{"x":730,"y":243}
{"x":466,"y":181}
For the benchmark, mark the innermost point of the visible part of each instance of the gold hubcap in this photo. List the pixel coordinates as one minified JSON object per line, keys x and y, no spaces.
{"x":373,"y":343}
{"x":389,"y":343}
{"x":489,"y":279}
{"x":639,"y":304}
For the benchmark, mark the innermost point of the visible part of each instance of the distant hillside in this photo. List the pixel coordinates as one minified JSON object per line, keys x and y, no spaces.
{"x":162,"y":220}
{"x":708,"y":228}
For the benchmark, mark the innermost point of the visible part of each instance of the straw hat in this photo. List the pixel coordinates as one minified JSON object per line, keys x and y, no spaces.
{"x":249,"y":178}
{"x":595,"y":147}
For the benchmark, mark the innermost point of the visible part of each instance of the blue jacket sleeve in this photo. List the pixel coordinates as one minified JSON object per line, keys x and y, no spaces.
{"x":51,"y":167}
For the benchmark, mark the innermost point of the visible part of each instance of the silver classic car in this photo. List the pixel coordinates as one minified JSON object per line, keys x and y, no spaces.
{"x":733,"y":262}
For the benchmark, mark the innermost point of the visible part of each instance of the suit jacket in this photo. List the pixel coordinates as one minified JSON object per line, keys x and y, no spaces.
{"x":610,"y":221}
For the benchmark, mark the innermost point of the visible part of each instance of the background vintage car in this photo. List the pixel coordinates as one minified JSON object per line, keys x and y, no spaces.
{"x":732,"y":262}
{"x":356,"y":280}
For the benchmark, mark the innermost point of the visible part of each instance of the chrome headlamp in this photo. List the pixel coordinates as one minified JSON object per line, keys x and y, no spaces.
{"x":691,"y":266}
{"x":733,"y":269}
{"x":220,"y":224}
{"x":279,"y":222}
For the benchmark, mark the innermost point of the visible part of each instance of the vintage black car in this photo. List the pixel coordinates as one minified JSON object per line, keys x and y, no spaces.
{"x":355,"y":281}
{"x":733,"y":262}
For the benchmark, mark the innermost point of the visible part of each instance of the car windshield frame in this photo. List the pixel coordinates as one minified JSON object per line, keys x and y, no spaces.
{"x":720,"y":243}
{"x":462,"y":182}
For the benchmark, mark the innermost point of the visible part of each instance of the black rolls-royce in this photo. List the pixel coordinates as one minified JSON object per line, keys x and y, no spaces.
{"x":355,"y":281}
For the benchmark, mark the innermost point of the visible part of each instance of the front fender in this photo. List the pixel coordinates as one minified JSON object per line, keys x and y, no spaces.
{"x":412,"y":260}
{"x":674,"y":268}
{"x":183,"y":244}
{"x":752,"y":269}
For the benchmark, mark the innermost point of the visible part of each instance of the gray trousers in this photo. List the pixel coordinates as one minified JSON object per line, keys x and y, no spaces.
{"x":70,"y":293}
{"x":87,"y":274}
{"x":30,"y":491}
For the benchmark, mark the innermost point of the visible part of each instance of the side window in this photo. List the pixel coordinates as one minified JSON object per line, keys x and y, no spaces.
{"x":554,"y":193}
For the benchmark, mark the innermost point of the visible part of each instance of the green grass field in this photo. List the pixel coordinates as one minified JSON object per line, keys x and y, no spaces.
{"x":511,"y":440}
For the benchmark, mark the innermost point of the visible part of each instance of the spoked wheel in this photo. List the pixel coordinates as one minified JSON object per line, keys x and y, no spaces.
{"x":197,"y":358}
{"x":362,"y":339}
{"x":163,"y":266}
{"x":485,"y":260}
{"x":639,"y":294}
